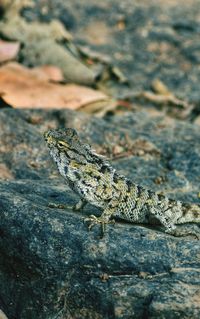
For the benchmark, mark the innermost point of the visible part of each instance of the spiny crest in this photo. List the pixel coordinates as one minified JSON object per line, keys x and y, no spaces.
{"x":67,"y":134}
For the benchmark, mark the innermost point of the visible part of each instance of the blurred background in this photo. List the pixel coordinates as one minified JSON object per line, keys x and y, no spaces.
{"x":131,"y":54}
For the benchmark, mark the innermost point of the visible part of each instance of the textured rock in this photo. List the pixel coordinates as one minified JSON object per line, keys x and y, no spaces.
{"x":51,"y":266}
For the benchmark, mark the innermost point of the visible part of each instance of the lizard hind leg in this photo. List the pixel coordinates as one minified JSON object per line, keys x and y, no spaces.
{"x":168,"y":219}
{"x":164,"y":218}
{"x":166,"y":211}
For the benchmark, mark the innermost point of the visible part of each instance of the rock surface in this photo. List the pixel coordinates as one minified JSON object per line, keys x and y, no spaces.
{"x":51,"y":266}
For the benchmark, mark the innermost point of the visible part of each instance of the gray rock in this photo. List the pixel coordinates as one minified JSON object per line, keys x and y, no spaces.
{"x":51,"y":266}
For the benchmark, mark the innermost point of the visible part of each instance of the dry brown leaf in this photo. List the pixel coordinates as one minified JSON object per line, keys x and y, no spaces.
{"x":5,"y":173}
{"x":48,"y":72}
{"x":25,"y":88}
{"x":41,"y":44}
{"x":8,"y":50}
{"x":160,"y":88}
{"x":165,"y":98}
{"x":161,"y":99}
{"x":100,"y":108}
{"x":2,"y":315}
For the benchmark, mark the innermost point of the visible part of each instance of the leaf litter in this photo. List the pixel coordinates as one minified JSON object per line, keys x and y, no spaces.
{"x":23,"y":87}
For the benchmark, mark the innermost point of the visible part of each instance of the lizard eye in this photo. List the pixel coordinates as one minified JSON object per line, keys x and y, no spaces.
{"x":62,"y":144}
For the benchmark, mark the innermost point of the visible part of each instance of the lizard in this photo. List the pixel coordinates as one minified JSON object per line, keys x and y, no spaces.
{"x":96,"y":182}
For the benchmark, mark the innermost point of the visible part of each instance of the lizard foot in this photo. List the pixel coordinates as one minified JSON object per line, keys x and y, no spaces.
{"x":59,"y":206}
{"x":93,"y":220}
{"x":184,"y":232}
{"x":77,"y":207}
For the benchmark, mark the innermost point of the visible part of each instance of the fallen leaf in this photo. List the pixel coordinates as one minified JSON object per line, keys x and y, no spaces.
{"x":2,"y":315}
{"x":5,"y":173}
{"x":160,"y":88}
{"x":22,"y":87}
{"x":93,"y":55}
{"x":163,"y":97}
{"x":8,"y":50}
{"x":100,"y":108}
{"x":46,"y":43}
{"x":48,"y":72}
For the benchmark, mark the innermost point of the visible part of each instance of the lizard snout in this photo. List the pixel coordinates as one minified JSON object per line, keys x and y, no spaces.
{"x":48,"y":138}
{"x":46,"y":134}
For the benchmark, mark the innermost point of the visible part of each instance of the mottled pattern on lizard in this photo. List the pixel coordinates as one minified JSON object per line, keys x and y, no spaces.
{"x":97,"y":182}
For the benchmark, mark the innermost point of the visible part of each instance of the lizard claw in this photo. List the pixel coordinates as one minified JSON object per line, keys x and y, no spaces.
{"x":93,"y":220}
{"x":183,"y":232}
{"x":59,"y":206}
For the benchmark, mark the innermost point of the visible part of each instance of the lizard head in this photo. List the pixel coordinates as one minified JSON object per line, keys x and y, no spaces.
{"x":62,"y":139}
{"x":65,"y":147}
{"x":72,"y":156}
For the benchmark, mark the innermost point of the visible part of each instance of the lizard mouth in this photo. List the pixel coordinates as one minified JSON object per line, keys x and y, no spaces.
{"x":46,"y":136}
{"x":49,"y":139}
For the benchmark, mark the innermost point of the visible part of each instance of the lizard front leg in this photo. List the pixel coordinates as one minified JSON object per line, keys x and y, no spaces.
{"x":104,"y":219}
{"x":77,"y":207}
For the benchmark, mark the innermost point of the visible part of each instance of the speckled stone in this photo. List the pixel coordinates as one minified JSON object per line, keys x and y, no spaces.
{"x":51,"y":266}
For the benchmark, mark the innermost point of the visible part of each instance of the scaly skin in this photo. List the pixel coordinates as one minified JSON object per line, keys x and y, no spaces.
{"x":98,"y":183}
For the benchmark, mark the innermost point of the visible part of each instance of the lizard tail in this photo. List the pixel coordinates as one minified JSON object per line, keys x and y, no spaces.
{"x":190,"y":214}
